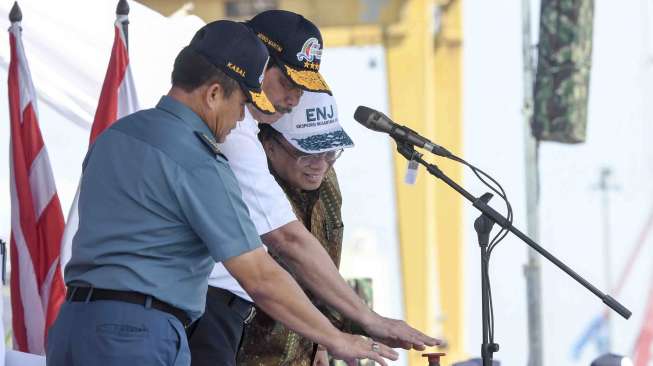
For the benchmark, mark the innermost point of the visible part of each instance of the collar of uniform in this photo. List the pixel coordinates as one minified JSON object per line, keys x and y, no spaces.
{"x":181,"y":111}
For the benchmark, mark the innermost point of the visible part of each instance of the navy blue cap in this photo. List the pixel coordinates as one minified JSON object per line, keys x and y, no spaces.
{"x":233,"y":48}
{"x":295,"y":43}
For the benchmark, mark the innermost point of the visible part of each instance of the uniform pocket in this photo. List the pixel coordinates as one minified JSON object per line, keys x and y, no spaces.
{"x":181,"y":356}
{"x":119,"y":342}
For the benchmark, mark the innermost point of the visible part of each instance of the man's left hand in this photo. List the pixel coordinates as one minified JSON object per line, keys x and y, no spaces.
{"x":397,"y":334}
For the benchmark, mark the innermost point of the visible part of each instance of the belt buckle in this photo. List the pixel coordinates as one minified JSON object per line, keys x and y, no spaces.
{"x":250,"y":316}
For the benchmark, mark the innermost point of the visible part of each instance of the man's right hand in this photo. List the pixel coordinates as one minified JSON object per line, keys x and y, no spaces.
{"x":351,"y":348}
{"x":275,"y":292}
{"x":312,"y":266}
{"x":397,"y":333}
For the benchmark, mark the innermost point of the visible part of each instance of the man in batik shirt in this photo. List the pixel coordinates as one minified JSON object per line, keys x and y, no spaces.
{"x":301,"y":149}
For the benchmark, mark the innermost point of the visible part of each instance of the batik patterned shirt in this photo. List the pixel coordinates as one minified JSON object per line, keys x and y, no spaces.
{"x":267,"y":342}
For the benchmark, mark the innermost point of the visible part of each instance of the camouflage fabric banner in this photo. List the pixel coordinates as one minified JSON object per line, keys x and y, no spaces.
{"x":563,"y":71}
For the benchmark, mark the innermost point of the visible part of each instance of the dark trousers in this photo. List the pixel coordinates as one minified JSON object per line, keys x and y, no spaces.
{"x":215,"y":338}
{"x":115,"y":333}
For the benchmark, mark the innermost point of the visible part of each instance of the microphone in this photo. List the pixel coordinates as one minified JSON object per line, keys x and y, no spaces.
{"x":377,"y":121}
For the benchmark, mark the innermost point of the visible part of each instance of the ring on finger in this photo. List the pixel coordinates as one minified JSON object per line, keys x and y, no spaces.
{"x":375,"y":347}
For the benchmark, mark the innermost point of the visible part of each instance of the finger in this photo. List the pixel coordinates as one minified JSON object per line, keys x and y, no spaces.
{"x":425,"y":339}
{"x":420,"y":340}
{"x":404,"y":334}
{"x":418,"y":343}
{"x":430,"y":341}
{"x":417,"y":337}
{"x":387,"y":352}
{"x":402,"y":344}
{"x":376,"y":357}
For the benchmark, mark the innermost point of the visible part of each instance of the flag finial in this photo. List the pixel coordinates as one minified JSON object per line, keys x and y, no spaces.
{"x":15,"y":15}
{"x":122,"y":8}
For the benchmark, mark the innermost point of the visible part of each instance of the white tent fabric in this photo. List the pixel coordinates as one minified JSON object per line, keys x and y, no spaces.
{"x":16,"y":358}
{"x":68,"y":46}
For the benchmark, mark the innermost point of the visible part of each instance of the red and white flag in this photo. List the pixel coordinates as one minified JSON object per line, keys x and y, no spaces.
{"x":117,"y":99}
{"x":37,"y":289}
{"x":644,"y":343}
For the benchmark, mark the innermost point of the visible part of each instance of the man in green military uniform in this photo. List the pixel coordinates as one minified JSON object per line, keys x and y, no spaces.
{"x":301,"y":149}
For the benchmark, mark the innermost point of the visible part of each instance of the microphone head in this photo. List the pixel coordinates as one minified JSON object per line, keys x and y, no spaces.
{"x":367,"y":117}
{"x":362,"y":113}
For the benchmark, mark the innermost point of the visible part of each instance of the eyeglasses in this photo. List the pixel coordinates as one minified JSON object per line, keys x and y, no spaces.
{"x":305,"y":159}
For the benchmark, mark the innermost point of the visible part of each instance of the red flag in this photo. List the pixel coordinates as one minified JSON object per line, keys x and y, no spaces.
{"x":37,"y":289}
{"x":117,"y":99}
{"x":644,"y":343}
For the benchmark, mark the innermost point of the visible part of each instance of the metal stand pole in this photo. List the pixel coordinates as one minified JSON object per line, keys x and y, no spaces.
{"x":483,"y":226}
{"x":408,"y":151}
{"x":3,"y":253}
{"x":532,"y":270}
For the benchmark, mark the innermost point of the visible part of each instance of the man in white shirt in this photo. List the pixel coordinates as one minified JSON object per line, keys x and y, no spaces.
{"x":295,"y":47}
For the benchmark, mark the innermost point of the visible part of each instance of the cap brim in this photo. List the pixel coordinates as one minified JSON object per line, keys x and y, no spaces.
{"x":307,"y":80}
{"x":318,"y":143}
{"x":259,"y":100}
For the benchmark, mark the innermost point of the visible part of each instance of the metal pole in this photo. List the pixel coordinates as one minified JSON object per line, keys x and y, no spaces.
{"x":605,"y":188}
{"x":3,"y":252}
{"x":532,"y":268}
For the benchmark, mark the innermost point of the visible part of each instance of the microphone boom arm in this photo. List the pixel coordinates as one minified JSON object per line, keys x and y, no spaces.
{"x":490,"y":215}
{"x":409,"y":153}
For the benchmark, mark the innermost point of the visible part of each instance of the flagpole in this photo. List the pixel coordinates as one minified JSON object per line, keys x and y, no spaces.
{"x":123,"y":10}
{"x":532,"y":269}
{"x":37,"y":224}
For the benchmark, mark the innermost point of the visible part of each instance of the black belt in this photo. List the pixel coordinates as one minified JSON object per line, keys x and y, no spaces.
{"x":241,"y":306}
{"x":82,"y":294}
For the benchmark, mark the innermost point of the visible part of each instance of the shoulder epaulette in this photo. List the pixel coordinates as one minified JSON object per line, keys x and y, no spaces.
{"x":211,"y":144}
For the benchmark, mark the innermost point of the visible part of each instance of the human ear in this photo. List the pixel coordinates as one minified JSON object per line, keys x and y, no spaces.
{"x":214,"y":95}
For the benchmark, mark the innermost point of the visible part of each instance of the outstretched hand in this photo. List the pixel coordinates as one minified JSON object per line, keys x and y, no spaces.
{"x":398,"y":334}
{"x":351,"y":348}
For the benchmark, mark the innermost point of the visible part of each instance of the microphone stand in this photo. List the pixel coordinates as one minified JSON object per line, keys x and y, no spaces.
{"x":483,"y":226}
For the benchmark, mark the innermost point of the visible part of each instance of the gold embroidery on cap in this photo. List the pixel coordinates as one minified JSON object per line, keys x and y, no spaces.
{"x":311,"y":80}
{"x":270,"y":42}
{"x":236,"y":69}
{"x":311,"y":65}
{"x":261,"y":101}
